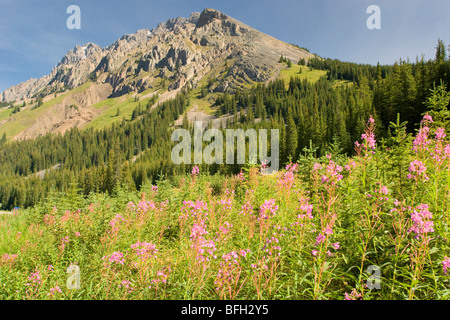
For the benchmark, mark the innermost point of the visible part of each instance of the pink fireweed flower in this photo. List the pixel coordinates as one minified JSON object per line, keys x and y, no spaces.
{"x":306,"y":208}
{"x":125,"y":284}
{"x":422,"y":220}
{"x":328,"y":231}
{"x":354,"y":295}
{"x":427,"y":118}
{"x":264,"y":164}
{"x":417,"y":169}
{"x":226,"y":204}
{"x":332,"y":173}
{"x":8,"y":258}
{"x":447,"y":150}
{"x":77,"y":234}
{"x":64,"y":241}
{"x":371,"y":120}
{"x":440,"y":134}
{"x":155,"y":189}
{"x":200,"y":244}
{"x":247,"y":208}
{"x":292,"y":167}
{"x":243,"y":252}
{"x":144,"y":250}
{"x":197,"y":231}
{"x":195,"y":171}
{"x":145,"y":206}
{"x":317,"y":166}
{"x":421,"y":141}
{"x":314,"y":253}
{"x":351,"y":164}
{"x":35,"y":277}
{"x":116,"y":220}
{"x":287,"y":179}
{"x":54,"y":290}
{"x":320,"y":239}
{"x":268,"y":207}
{"x":117,"y":257}
{"x":370,"y":140}
{"x":446,"y":264}
{"x":336,"y":245}
{"x":240,"y":176}
{"x":194,"y":210}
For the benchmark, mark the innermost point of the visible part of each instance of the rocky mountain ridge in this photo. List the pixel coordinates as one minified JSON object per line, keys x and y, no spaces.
{"x":180,"y":50}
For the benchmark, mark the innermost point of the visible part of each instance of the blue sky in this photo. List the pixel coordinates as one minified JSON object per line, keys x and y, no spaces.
{"x":34,"y":36}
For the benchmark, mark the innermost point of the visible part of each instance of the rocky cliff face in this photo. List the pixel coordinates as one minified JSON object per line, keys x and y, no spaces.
{"x":181,"y":50}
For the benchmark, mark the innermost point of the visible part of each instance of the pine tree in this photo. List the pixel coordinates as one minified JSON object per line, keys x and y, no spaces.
{"x":437,"y":105}
{"x":291,"y":137}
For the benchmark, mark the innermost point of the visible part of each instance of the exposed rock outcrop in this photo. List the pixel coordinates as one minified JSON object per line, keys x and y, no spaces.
{"x":182,"y":49}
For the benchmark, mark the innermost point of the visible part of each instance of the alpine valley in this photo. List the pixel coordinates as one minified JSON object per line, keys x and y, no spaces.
{"x":360,"y":208}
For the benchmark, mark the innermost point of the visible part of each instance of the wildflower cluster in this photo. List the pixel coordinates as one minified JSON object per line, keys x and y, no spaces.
{"x":195,"y":171}
{"x":144,"y":250}
{"x":368,"y":144}
{"x":267,"y":209}
{"x":421,"y":218}
{"x":332,"y":173}
{"x":354,"y":295}
{"x":115,"y":258}
{"x":54,"y":291}
{"x":204,"y":249}
{"x":230,"y":269}
{"x":287,"y":178}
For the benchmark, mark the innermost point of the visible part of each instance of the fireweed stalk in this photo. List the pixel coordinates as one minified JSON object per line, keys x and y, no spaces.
{"x":423,"y":225}
{"x":399,"y":237}
{"x":286,"y":180}
{"x":264,"y":275}
{"x":327,"y":179}
{"x":229,"y":275}
{"x":202,"y":252}
{"x":371,"y":222}
{"x":303,"y":222}
{"x":246,"y":218}
{"x":260,"y":278}
{"x":366,"y":150}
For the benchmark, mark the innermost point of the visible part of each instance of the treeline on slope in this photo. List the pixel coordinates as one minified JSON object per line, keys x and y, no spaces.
{"x":94,"y":159}
{"x":401,"y":88}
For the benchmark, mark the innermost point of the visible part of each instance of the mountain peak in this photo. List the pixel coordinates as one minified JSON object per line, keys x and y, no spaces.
{"x":181,"y":49}
{"x":208,"y":15}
